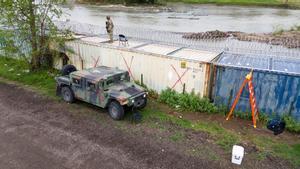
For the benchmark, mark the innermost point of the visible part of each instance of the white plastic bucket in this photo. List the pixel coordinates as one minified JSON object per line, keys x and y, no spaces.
{"x":237,"y":154}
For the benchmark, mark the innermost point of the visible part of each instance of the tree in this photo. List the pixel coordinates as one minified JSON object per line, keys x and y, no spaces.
{"x":32,"y":22}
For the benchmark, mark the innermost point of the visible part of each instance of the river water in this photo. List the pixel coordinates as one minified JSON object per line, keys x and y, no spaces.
{"x":188,"y":18}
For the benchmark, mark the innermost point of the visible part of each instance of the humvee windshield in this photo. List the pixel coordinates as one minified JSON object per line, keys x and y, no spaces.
{"x":117,"y":78}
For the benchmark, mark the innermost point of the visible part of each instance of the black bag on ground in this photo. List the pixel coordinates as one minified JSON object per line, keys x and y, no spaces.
{"x":276,"y":125}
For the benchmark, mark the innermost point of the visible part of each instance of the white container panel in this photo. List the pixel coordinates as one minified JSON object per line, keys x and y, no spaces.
{"x":157,"y":70}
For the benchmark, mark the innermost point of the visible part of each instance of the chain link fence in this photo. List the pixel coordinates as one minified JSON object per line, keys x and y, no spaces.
{"x":255,"y":45}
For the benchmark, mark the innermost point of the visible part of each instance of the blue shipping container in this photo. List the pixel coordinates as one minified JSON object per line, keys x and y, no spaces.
{"x":276,"y":83}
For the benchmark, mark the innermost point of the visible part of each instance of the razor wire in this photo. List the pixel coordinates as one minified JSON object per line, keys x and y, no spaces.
{"x":256,"y":45}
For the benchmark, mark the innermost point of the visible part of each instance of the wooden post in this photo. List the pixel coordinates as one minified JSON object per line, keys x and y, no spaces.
{"x":142,"y":80}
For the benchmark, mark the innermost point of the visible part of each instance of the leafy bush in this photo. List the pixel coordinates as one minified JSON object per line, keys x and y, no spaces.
{"x":291,"y":124}
{"x":185,"y":101}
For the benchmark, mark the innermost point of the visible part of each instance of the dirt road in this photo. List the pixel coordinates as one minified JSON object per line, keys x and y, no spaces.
{"x":38,"y":132}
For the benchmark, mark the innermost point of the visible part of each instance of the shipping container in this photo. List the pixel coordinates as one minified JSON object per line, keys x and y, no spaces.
{"x":155,"y":65}
{"x":276,"y":83}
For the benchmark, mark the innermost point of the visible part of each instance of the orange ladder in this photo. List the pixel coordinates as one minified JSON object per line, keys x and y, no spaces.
{"x":248,"y":80}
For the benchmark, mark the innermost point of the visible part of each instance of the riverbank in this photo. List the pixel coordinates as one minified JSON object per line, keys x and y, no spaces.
{"x":292,"y":4}
{"x":264,"y":3}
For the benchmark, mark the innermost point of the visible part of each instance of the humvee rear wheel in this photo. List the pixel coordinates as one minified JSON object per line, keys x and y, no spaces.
{"x":115,"y":110}
{"x":67,"y":94}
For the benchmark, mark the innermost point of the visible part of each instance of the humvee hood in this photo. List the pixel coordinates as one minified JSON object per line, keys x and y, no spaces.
{"x":125,"y":90}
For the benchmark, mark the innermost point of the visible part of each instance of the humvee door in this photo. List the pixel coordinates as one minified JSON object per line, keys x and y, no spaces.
{"x":78,"y":87}
{"x":92,"y":92}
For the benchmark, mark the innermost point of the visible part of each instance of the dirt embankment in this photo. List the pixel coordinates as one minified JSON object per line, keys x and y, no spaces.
{"x":290,"y":39}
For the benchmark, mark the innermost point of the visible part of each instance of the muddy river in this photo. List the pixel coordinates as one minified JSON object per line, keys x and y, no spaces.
{"x":188,"y":18}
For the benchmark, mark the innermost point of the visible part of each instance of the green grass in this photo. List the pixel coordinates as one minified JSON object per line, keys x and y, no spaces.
{"x":178,"y":136}
{"x":273,"y":3}
{"x":291,"y":124}
{"x":224,"y":138}
{"x":18,"y":70}
{"x":205,"y":151}
{"x":278,"y":149}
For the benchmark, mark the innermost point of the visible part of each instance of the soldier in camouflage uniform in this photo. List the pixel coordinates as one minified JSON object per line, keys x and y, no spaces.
{"x":109,"y":28}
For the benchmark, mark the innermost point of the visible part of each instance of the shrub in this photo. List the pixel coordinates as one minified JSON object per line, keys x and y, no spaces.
{"x":291,"y":124}
{"x":185,"y":101}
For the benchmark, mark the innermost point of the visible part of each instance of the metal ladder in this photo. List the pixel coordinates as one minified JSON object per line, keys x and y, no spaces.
{"x":254,"y":110}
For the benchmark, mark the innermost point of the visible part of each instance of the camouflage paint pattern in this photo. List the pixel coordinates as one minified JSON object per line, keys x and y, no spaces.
{"x":102,"y":84}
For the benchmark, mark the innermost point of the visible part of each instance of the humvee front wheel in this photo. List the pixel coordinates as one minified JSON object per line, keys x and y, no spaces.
{"x":115,"y":110}
{"x":67,"y":94}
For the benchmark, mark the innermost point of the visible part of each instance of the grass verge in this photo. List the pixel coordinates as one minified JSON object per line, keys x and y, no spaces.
{"x":268,"y":146}
{"x":192,"y":102}
{"x":17,"y":70}
{"x":266,"y":3}
{"x":224,"y":138}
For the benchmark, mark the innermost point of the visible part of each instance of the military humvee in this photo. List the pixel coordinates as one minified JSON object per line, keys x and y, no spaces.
{"x":102,"y":86}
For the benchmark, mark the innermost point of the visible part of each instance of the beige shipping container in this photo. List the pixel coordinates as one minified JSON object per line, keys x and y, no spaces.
{"x":158,"y":66}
